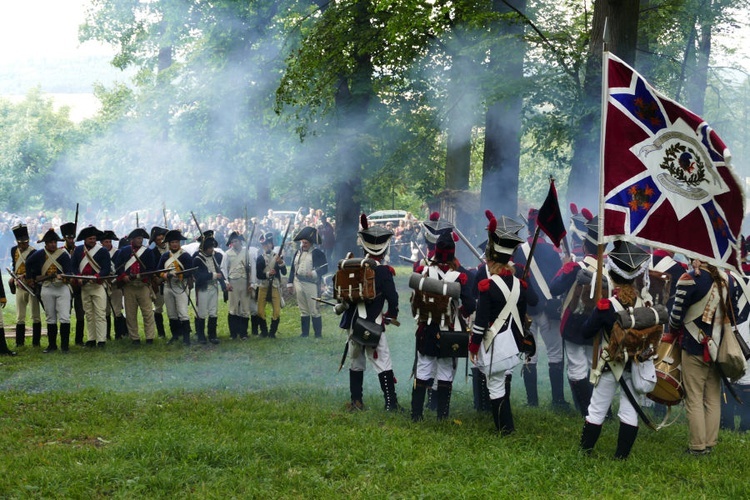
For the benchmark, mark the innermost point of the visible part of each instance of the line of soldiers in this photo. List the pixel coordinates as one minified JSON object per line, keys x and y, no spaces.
{"x":109,"y":286}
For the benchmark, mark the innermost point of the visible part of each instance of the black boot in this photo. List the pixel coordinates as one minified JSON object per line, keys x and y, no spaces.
{"x":185,"y":331}
{"x":317,"y":324}
{"x":64,"y":337}
{"x":243,"y":322}
{"x":480,"y":391}
{"x":507,"y":425}
{"x":175,"y":328}
{"x":159,"y":321}
{"x":20,"y":334}
{"x":212,"y":321}
{"x":589,"y":436}
{"x":444,"y":399}
{"x":80,"y":329}
{"x":305,"y":324}
{"x":495,"y":404}
{"x":36,"y":334}
{"x":109,"y":326}
{"x":625,"y":439}
{"x":431,"y":395}
{"x":4,"y":344}
{"x":200,"y":330}
{"x":528,"y":372}
{"x":263,"y":327}
{"x":417,"y":399}
{"x":232,"y":324}
{"x":121,"y":327}
{"x":557,"y":385}
{"x":274,"y":328}
{"x":581,"y":390}
{"x":743,"y":410}
{"x":254,"y":323}
{"x":388,"y":385}
{"x":51,"y":337}
{"x":356,"y":380}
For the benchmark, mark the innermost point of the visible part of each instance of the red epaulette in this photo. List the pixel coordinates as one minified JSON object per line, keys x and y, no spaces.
{"x":462,"y":278}
{"x":484,"y":285}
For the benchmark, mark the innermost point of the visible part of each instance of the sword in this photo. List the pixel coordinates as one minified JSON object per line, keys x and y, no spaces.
{"x":20,"y":282}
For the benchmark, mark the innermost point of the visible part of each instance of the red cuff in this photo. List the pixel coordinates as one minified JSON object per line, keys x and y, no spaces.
{"x":603,"y":304}
{"x":473,"y":348}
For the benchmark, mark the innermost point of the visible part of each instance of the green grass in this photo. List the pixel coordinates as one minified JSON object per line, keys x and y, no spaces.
{"x":265,"y":419}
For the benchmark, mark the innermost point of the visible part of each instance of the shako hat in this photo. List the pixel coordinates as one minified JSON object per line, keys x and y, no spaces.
{"x":434,"y":227}
{"x":174,"y":235}
{"x":21,"y":232}
{"x":50,"y":235}
{"x":627,"y":259}
{"x":68,"y":230}
{"x":445,"y":248}
{"x":308,"y":233}
{"x":502,"y":236}
{"x":108,"y":234}
{"x":374,"y":239}
{"x":139,"y":231}
{"x":592,"y":231}
{"x":88,"y":232}
{"x":156,"y":231}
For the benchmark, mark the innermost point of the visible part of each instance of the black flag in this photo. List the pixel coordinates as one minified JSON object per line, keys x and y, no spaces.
{"x":550,"y":219}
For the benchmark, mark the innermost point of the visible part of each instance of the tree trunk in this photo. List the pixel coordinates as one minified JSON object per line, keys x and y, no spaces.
{"x":622,"y":22}
{"x":502,"y":146}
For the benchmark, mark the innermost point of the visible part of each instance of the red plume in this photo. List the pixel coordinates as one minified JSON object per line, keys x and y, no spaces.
{"x":434,"y":216}
{"x":573,"y":209}
{"x":363,"y":221}
{"x":455,"y":237}
{"x":587,"y":213}
{"x":493,"y":222}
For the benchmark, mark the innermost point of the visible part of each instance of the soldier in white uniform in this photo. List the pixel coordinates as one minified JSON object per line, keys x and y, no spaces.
{"x":242,"y":286}
{"x":18,"y":256}
{"x":308,"y":267}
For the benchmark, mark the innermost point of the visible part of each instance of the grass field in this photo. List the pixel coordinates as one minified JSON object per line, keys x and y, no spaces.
{"x":265,"y":419}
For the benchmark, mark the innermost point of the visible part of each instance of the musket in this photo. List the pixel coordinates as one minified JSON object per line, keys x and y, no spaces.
{"x":213,"y":257}
{"x":20,"y":282}
{"x":89,"y":277}
{"x":408,"y":259}
{"x":137,"y":222}
{"x":75,"y":221}
{"x":468,"y":244}
{"x":269,"y":296}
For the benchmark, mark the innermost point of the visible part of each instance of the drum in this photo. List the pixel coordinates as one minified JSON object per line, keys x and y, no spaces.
{"x":668,"y":390}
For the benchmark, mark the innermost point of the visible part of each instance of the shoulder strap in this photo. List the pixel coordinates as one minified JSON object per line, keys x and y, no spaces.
{"x":509,"y":311}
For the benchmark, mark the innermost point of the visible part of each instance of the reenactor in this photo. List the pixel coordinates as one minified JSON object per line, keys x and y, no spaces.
{"x":3,"y":301}
{"x":114,"y":292}
{"x":18,"y":256}
{"x":44,"y":268}
{"x":68,"y":232}
{"x":158,"y":247}
{"x":134,"y":263}
{"x":91,"y":262}
{"x":177,"y":286}
{"x":242,"y":286}
{"x":308,"y":267}
{"x":208,"y":279}
{"x":270,"y":267}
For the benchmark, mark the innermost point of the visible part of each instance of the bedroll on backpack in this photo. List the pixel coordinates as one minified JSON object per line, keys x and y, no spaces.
{"x":636,"y":331}
{"x":354,"y":280}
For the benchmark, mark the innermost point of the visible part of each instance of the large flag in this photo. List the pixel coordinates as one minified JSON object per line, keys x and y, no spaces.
{"x":550,"y":218}
{"x":667,"y":182}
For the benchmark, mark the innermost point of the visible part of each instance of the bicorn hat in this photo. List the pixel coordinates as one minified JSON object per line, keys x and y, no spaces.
{"x":234,"y":235}
{"x":108,"y":234}
{"x":156,"y":231}
{"x":139,"y":231}
{"x":87,"y":232}
{"x":50,"y":235}
{"x":267,"y":237}
{"x":174,"y":235}
{"x":374,"y":239}
{"x":308,"y":233}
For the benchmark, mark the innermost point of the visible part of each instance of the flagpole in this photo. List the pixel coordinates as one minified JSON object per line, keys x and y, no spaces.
{"x":600,"y":221}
